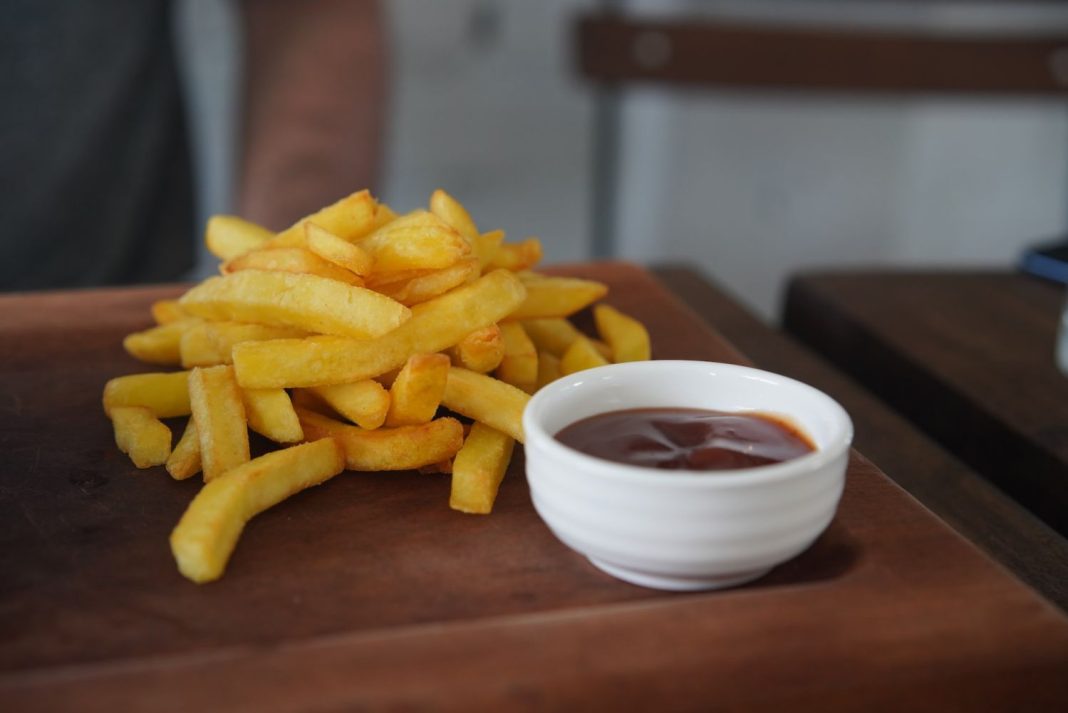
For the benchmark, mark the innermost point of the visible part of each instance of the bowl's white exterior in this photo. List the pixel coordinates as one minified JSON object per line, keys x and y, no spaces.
{"x":673,"y":530}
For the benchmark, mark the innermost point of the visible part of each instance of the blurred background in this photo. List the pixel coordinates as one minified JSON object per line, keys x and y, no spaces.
{"x":606,"y":143}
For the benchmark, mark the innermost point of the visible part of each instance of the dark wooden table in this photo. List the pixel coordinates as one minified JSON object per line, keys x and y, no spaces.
{"x":368,"y":592}
{"x":967,"y":356}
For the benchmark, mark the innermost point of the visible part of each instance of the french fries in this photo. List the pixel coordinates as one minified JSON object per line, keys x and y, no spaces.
{"x":208,"y":531}
{"x":353,"y":315}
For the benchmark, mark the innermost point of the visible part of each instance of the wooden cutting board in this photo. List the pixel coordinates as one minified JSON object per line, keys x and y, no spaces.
{"x":370,"y":592}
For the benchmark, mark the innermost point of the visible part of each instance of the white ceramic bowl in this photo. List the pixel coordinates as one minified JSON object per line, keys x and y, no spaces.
{"x":675,"y":529}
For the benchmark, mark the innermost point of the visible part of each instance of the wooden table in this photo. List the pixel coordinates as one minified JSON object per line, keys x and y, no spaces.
{"x":368,"y":592}
{"x":967,"y":356}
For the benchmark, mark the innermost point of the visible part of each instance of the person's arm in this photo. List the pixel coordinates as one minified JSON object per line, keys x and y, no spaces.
{"x":314,"y":105}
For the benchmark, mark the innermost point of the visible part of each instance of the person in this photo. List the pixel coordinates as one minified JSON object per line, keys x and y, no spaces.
{"x":95,"y":169}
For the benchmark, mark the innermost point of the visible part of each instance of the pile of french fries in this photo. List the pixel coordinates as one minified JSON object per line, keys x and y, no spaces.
{"x":356,"y":339}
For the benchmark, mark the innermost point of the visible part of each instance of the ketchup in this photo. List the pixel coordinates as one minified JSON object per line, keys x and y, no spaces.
{"x":686,"y":439}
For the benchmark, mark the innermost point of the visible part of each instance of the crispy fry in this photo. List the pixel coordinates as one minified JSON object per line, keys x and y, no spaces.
{"x":220,"y":416}
{"x":403,"y":448}
{"x":552,"y":334}
{"x":296,"y":260}
{"x":416,"y":392}
{"x":208,"y":531}
{"x":434,"y":326}
{"x":487,"y":400}
{"x":270,"y":413}
{"x":140,"y":435}
{"x":365,"y":402}
{"x":383,"y":215}
{"x":308,"y":302}
{"x":337,"y":250}
{"x":167,"y":311}
{"x":228,"y":236}
{"x":558,"y":297}
{"x":452,"y":212}
{"x":519,"y":366}
{"x":184,"y":461}
{"x":421,"y":285}
{"x":478,"y":469}
{"x":159,"y":345}
{"x":481,"y":350}
{"x":224,"y":335}
{"x":196,"y":348}
{"x":351,"y":218}
{"x":627,"y":337}
{"x":515,"y":256}
{"x":548,"y":368}
{"x":166,"y":395}
{"x":581,"y":355}
{"x":486,"y":247}
{"x":417,"y":241}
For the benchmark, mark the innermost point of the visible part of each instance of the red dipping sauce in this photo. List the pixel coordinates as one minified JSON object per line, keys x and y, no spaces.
{"x":686,"y":439}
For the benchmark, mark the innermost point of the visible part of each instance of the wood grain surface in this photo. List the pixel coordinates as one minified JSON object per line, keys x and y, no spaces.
{"x":368,"y":592}
{"x":968,"y":356}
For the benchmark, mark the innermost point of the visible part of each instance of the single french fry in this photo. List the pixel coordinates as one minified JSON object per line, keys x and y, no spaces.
{"x":161,"y":344}
{"x":519,"y":366}
{"x":297,"y":260}
{"x":308,"y":302}
{"x":478,"y":469}
{"x":481,"y":350}
{"x":196,"y":348}
{"x":416,"y":392}
{"x":452,"y":212}
{"x":628,"y":338}
{"x":140,"y":435}
{"x":581,"y":355}
{"x":165,"y":394}
{"x":364,"y":402}
{"x":417,"y":241}
{"x":270,"y":413}
{"x":552,"y":334}
{"x":337,"y":250}
{"x":228,"y":236}
{"x":548,"y":368}
{"x":220,"y":416}
{"x":425,"y":285}
{"x":487,"y":400}
{"x":224,"y":335}
{"x":402,"y":448}
{"x":383,"y":215}
{"x":516,"y":256}
{"x":558,"y":297}
{"x":486,"y":246}
{"x":209,"y":530}
{"x":351,"y":218}
{"x":435,"y":325}
{"x":184,"y":461}
{"x":167,"y":311}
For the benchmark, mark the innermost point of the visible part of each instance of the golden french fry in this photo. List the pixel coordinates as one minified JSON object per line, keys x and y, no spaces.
{"x":581,"y":355}
{"x":519,"y":366}
{"x":487,"y":400}
{"x":435,"y":325}
{"x":308,"y":302}
{"x":270,"y":413}
{"x":337,"y":250}
{"x":228,"y":236}
{"x":548,"y":368}
{"x":220,"y":416}
{"x":452,"y":212}
{"x":553,"y":334}
{"x":383,"y":215}
{"x":516,"y":256}
{"x":627,"y":337}
{"x":479,"y":467}
{"x":140,"y":435}
{"x":184,"y":461}
{"x":558,"y":297}
{"x":417,"y":241}
{"x":208,"y":531}
{"x":365,"y":402}
{"x":167,"y":311}
{"x":486,"y":246}
{"x":416,"y":392}
{"x":292,"y":259}
{"x":402,"y":448}
{"x":481,"y":350}
{"x":196,"y":348}
{"x":159,"y":345}
{"x":165,"y":395}
{"x":351,"y":218}
{"x":224,"y":335}
{"x":421,"y":285}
